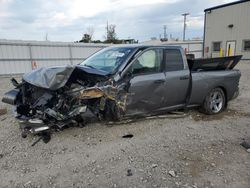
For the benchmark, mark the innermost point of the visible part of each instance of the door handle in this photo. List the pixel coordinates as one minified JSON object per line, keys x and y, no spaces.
{"x":159,"y":81}
{"x":184,"y":77}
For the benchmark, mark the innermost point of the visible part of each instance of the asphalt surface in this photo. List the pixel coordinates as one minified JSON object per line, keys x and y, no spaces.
{"x":190,"y":150}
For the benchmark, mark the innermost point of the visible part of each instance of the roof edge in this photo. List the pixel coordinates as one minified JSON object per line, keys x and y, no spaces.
{"x":225,"y":5}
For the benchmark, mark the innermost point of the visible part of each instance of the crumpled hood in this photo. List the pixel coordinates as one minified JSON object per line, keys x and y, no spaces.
{"x":54,"y":78}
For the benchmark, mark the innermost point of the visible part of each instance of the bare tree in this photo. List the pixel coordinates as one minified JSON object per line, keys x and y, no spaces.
{"x":111,"y":34}
{"x":88,"y":35}
{"x":90,"y":31}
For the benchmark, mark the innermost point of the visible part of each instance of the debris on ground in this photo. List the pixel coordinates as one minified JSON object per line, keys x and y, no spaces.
{"x":129,"y":172}
{"x":3,"y":118}
{"x":213,"y":164}
{"x":128,"y":136}
{"x":245,"y":144}
{"x":154,"y":165}
{"x":172,"y":173}
{"x":44,"y":136}
{"x":3,"y":111}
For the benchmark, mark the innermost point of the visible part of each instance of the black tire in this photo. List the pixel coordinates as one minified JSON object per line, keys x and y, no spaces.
{"x":214,"y":102}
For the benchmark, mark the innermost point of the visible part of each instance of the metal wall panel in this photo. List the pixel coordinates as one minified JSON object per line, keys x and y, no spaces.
{"x":13,"y":52}
{"x":14,"y":67}
{"x":50,"y":52}
{"x":80,"y":52}
{"x":49,"y":63}
{"x":17,"y":57}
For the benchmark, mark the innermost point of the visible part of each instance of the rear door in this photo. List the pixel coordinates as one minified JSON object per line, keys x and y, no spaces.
{"x":177,"y":78}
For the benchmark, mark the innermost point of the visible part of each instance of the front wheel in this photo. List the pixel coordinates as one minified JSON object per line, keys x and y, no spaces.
{"x":214,"y":102}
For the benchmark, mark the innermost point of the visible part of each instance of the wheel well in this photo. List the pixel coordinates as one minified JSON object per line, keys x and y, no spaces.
{"x":225,"y":93}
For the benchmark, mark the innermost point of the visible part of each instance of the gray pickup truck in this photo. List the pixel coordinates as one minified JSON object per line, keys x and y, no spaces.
{"x":122,"y":81}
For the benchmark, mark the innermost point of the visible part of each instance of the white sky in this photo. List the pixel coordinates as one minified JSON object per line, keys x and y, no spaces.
{"x":67,"y":20}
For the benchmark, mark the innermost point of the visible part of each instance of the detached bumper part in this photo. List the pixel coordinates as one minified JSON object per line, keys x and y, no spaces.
{"x":33,"y":126}
{"x":38,"y":129}
{"x":11,"y":96}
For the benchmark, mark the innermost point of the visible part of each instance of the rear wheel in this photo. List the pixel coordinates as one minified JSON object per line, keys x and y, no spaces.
{"x":214,"y":102}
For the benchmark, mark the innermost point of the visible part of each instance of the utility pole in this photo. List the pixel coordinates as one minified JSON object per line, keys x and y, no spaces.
{"x":184,"y":27}
{"x":107,"y":29}
{"x":165,"y":32}
{"x":46,"y":36}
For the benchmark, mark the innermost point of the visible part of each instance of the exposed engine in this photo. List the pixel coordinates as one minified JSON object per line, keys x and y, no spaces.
{"x":40,"y":109}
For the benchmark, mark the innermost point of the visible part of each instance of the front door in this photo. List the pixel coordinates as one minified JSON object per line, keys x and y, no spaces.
{"x":147,"y":83}
{"x":230,"y":48}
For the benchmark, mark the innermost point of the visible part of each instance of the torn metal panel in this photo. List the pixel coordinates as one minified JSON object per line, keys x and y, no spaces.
{"x":96,"y":92}
{"x":56,"y":77}
{"x":49,"y":78}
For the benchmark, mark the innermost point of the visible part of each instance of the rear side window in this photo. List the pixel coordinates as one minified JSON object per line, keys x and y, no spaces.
{"x":174,"y":61}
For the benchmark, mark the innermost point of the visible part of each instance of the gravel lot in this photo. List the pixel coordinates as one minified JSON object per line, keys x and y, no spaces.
{"x":198,"y":150}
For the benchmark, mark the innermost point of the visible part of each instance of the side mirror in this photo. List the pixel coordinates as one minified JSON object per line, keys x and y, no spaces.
{"x":129,"y":73}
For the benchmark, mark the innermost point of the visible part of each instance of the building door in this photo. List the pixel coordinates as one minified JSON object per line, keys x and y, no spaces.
{"x":230,"y":48}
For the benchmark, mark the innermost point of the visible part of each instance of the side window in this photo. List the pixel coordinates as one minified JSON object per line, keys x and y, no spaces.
{"x":148,"y":62}
{"x":174,"y":61}
{"x":216,"y":46}
{"x":246,"y":45}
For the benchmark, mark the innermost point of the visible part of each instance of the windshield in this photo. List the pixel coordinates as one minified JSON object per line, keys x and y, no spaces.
{"x":108,"y":59}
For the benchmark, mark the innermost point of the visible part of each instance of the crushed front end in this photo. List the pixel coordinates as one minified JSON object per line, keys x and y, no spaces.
{"x":70,"y":99}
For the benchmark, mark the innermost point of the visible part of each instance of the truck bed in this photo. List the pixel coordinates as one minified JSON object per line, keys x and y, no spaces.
{"x":212,"y":64}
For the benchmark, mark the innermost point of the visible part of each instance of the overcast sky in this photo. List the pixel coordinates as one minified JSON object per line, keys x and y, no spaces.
{"x":67,"y":20}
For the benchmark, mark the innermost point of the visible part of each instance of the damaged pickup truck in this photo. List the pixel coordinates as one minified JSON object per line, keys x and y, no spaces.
{"x":120,"y":82}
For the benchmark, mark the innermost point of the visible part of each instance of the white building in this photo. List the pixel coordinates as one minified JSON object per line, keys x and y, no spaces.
{"x":227,"y":30}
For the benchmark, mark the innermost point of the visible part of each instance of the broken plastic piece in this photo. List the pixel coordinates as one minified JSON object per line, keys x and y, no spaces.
{"x":128,"y":136}
{"x":44,"y":136}
{"x":129,"y":172}
{"x":245,"y":144}
{"x":3,"y":111}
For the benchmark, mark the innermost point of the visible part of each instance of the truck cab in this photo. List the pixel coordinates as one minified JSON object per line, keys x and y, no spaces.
{"x":158,"y":78}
